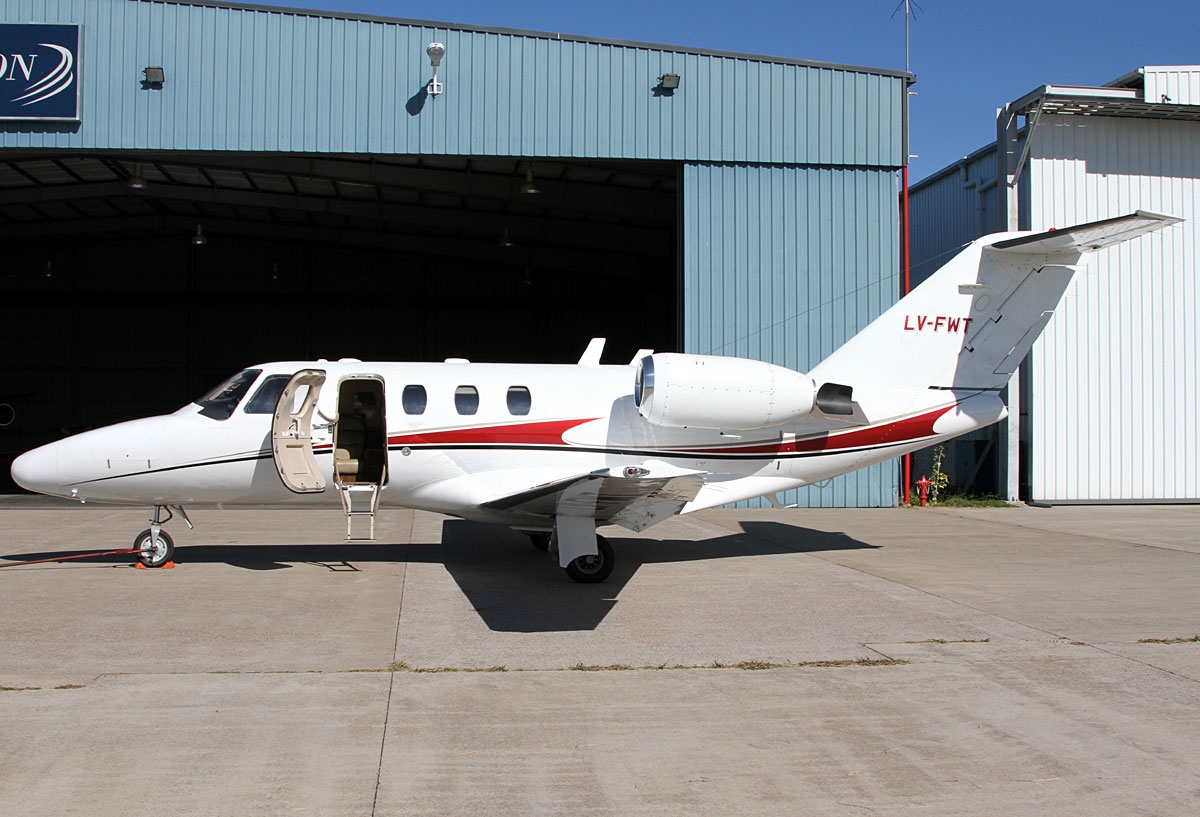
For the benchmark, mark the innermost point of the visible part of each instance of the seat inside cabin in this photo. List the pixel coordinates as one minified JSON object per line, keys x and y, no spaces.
{"x":360,"y":436}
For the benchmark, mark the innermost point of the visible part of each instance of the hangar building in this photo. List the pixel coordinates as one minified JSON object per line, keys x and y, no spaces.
{"x":187,"y":188}
{"x":1109,"y":398}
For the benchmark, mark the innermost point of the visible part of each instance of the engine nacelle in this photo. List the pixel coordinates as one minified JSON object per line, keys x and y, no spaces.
{"x":706,"y":391}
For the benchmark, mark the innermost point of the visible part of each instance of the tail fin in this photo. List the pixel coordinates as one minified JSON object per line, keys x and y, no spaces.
{"x":973,"y":321}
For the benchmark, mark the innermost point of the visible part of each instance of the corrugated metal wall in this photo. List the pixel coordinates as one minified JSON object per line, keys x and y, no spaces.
{"x":784,"y":264}
{"x":1172,"y":84}
{"x":950,"y":209}
{"x":1116,"y":391}
{"x":267,"y":80}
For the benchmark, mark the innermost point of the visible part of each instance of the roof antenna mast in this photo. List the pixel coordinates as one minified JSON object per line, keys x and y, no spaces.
{"x":911,"y":7}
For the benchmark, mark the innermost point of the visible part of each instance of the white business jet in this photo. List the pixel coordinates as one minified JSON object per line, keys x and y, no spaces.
{"x":557,"y":450}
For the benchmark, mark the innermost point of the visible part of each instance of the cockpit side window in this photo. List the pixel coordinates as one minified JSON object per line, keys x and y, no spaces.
{"x":267,"y":396}
{"x":220,"y":403}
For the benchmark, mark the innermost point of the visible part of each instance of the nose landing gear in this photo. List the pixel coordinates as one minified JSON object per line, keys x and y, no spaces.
{"x":154,"y":546}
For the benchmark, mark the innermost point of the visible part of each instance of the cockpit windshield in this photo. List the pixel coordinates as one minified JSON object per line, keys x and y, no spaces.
{"x":219,"y":403}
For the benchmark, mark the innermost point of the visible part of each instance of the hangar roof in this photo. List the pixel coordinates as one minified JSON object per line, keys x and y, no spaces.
{"x":257,"y":78}
{"x":517,"y":32}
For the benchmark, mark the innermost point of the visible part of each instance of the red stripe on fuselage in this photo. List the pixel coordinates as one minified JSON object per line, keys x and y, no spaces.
{"x":550,"y":433}
{"x":536,"y":433}
{"x":908,"y":428}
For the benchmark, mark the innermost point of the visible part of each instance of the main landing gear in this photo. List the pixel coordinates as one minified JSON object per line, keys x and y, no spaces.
{"x":583,"y":569}
{"x":154,"y":546}
{"x":593,"y":569}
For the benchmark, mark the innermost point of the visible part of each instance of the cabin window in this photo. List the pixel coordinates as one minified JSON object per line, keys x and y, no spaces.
{"x":519,"y":400}
{"x":414,"y":399}
{"x":267,"y":396}
{"x":466,"y":399}
{"x":219,"y":403}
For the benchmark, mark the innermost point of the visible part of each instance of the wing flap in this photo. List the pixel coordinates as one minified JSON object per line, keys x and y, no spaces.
{"x":624,"y":500}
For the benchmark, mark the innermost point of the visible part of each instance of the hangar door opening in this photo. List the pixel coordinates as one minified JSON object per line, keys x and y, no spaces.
{"x":134,"y":282}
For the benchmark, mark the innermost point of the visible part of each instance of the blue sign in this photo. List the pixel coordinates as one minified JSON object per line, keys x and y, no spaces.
{"x":39,"y":71}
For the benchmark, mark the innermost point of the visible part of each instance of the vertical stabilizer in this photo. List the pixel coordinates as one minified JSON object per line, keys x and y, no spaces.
{"x":973,"y":321}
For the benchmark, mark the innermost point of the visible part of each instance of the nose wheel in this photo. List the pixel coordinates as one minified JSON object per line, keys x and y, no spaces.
{"x":154,"y":546}
{"x":154,"y":550}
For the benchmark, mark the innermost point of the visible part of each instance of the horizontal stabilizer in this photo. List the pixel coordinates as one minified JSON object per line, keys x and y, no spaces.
{"x":1086,"y":237}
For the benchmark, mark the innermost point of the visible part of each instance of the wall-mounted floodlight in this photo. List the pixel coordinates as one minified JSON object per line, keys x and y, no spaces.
{"x":154,"y":76}
{"x":668,"y":82}
{"x":435,"y":51}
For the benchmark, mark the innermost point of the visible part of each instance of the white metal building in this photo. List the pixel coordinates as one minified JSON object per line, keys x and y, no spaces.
{"x":1107,"y":408}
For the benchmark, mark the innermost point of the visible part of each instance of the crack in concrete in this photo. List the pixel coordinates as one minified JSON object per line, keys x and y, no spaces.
{"x":387,"y":711}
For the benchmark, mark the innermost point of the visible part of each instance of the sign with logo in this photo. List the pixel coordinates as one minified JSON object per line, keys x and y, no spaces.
{"x":39,"y":71}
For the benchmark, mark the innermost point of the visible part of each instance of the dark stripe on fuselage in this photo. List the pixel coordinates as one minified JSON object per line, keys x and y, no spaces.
{"x":561,"y":449}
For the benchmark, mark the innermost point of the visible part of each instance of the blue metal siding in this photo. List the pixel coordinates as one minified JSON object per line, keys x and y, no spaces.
{"x":785,"y":264}
{"x":950,"y":209}
{"x":266,"y":80}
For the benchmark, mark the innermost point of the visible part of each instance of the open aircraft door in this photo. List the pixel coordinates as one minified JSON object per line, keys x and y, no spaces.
{"x":291,"y":433}
{"x":360,"y":449}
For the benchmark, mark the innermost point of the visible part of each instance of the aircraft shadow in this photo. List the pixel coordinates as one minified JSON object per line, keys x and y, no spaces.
{"x":515,"y":588}
{"x":511,"y":585}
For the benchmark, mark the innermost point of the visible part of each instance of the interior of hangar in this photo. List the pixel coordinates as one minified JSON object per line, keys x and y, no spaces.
{"x":178,"y":268}
{"x":243,"y":183}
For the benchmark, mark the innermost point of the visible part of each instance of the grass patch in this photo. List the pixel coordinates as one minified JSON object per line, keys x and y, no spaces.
{"x":17,"y":689}
{"x":841,"y":662}
{"x":955,"y":501}
{"x":955,"y":641}
{"x":756,"y":664}
{"x":1189,"y":640}
{"x":69,"y":686}
{"x":962,"y":501}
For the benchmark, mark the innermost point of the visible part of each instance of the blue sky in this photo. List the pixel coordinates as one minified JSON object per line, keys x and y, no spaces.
{"x":969,"y":57}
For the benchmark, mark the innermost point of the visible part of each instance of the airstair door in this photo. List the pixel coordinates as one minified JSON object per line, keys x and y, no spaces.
{"x":360,"y":449}
{"x":291,"y":433}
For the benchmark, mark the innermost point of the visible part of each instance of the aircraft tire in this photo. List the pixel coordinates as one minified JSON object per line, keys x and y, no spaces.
{"x":593,"y":569}
{"x":157,"y":554}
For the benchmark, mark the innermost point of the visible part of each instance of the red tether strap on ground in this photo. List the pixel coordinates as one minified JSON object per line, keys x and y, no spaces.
{"x":121,"y":552}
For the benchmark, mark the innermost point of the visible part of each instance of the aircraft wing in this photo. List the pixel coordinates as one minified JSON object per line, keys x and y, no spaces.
{"x":634,"y":498}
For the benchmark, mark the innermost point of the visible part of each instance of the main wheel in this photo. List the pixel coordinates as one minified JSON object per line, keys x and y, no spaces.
{"x":593,"y":569}
{"x":154,"y":552}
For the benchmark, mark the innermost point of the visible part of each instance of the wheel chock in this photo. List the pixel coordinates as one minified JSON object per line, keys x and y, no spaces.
{"x":140,"y":566}
{"x":165,"y":566}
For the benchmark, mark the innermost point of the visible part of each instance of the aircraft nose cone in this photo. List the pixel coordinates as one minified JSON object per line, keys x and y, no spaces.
{"x":37,"y":470}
